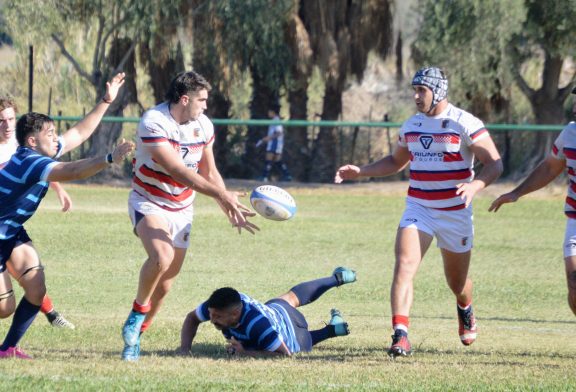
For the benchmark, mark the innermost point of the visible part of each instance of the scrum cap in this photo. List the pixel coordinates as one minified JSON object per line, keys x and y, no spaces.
{"x":434,"y":79}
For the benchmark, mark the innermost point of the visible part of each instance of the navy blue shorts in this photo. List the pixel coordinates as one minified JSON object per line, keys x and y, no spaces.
{"x":7,"y":246}
{"x":298,"y":322}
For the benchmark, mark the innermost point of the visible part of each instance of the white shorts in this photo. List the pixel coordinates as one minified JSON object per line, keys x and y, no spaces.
{"x":179,"y":222}
{"x":454,"y":230}
{"x":570,"y":238}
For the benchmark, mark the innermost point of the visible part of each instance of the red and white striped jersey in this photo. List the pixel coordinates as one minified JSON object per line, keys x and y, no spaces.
{"x":151,"y":180}
{"x":565,"y":148}
{"x":440,"y":155}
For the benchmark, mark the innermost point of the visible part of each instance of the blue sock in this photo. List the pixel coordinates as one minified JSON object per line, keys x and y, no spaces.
{"x":322,"y":334}
{"x":23,"y":318}
{"x":310,"y":291}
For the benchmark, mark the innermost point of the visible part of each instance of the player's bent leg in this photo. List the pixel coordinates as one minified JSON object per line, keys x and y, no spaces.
{"x":164,"y":286}
{"x":24,"y":265}
{"x":155,"y":236}
{"x":570,"y":267}
{"x":411,"y":246}
{"x":7,"y":297}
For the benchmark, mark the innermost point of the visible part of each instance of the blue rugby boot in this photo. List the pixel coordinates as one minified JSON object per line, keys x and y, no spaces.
{"x":340,"y":326}
{"x":131,"y":353}
{"x":131,"y":329}
{"x":344,"y":275}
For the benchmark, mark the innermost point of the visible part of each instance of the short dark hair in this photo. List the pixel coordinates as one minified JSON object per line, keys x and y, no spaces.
{"x":30,"y":123}
{"x":7,"y":102}
{"x":185,"y":83}
{"x":224,"y":298}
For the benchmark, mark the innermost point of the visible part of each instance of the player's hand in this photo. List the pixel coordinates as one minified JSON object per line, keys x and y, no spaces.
{"x":65,"y":200}
{"x":347,"y":172}
{"x":113,"y":86}
{"x":234,"y":347}
{"x":509,"y":197}
{"x":468,"y":190}
{"x":122,"y":150}
{"x":237,"y":212}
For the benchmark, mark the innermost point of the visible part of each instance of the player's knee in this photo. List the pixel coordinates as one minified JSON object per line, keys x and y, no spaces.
{"x":162,"y":260}
{"x":7,"y":304}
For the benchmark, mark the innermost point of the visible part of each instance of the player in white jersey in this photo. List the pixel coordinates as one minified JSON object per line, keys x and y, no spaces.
{"x":174,"y":160}
{"x":8,"y":146}
{"x":439,"y":144}
{"x":562,"y":156}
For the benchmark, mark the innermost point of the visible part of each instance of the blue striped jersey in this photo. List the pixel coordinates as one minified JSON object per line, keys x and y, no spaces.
{"x":262,"y":327}
{"x":22,"y":186}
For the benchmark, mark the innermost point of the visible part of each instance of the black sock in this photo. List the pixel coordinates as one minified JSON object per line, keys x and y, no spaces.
{"x":23,"y":318}
{"x":320,"y":335}
{"x":310,"y":291}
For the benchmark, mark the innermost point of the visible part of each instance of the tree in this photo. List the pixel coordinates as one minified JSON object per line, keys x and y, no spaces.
{"x":342,"y":34}
{"x":485,"y":45}
{"x":114,"y":33}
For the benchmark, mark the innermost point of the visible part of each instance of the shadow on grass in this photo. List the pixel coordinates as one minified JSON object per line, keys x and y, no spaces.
{"x":503,"y":319}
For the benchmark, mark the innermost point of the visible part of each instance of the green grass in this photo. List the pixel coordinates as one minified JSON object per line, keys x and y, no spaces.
{"x":92,"y":263}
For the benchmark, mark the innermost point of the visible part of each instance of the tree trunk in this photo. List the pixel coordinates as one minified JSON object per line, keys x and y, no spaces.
{"x":262,"y":98}
{"x":297,"y":154}
{"x":548,"y":108}
{"x":105,"y":138}
{"x":324,"y":153}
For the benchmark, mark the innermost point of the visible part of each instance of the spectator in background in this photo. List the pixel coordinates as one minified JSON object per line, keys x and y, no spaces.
{"x":274,"y":146}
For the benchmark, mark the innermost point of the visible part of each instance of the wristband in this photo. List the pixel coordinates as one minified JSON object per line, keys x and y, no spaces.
{"x":109,"y":158}
{"x":105,"y":101}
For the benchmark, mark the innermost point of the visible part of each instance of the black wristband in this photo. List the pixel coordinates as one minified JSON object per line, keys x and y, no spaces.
{"x":105,"y":101}
{"x":109,"y":158}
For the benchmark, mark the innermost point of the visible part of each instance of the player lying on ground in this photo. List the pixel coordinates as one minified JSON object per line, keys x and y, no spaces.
{"x":273,"y":328}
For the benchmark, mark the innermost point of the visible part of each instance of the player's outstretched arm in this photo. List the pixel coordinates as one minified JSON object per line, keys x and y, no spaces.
{"x":188,"y":332}
{"x":386,"y":166}
{"x":63,"y":196}
{"x":172,"y":162}
{"x":84,"y":168}
{"x":541,"y":176}
{"x":208,"y":170}
{"x":85,"y":127}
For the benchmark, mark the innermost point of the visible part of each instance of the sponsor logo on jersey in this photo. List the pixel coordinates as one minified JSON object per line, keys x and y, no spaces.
{"x":413,"y":220}
{"x":417,"y":124}
{"x":426,"y":141}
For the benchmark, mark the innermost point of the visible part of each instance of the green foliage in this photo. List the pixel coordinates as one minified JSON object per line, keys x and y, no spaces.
{"x":469,"y":39}
{"x":254,"y":35}
{"x":93,"y":259}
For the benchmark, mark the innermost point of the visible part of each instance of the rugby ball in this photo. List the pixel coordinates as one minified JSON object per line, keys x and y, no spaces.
{"x":273,"y":202}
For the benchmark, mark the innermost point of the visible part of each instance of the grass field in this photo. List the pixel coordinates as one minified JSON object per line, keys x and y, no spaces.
{"x":92,"y":263}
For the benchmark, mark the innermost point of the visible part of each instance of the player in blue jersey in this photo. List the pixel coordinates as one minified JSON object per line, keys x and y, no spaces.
{"x":273,"y":328}
{"x":8,"y":146}
{"x":23,"y":183}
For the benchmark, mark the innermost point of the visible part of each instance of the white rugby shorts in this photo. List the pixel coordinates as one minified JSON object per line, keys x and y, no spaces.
{"x":179,"y":222}
{"x":454,"y":230}
{"x":570,"y":238}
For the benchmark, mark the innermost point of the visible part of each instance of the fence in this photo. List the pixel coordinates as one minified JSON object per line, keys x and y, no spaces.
{"x":358,"y":142}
